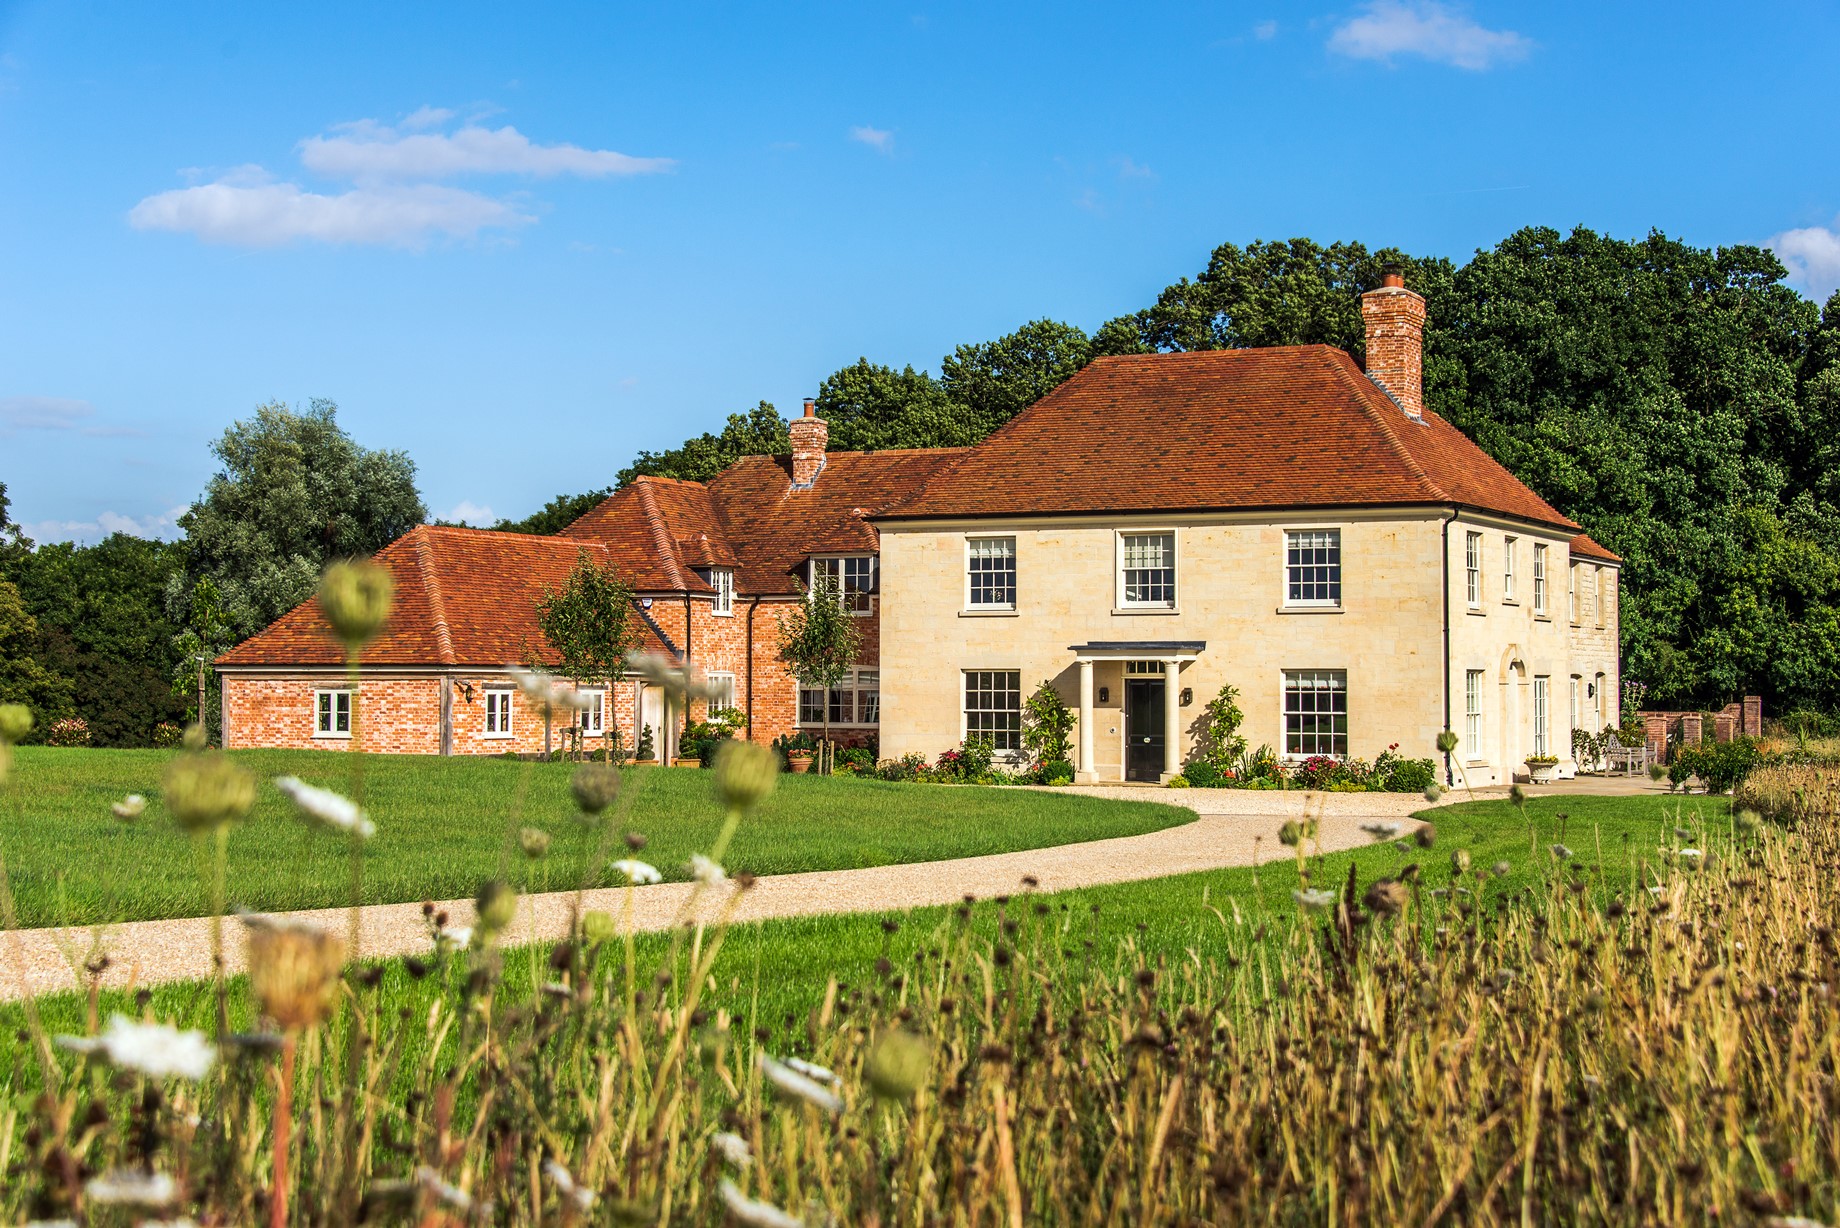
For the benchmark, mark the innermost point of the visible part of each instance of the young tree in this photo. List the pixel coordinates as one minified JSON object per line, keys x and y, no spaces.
{"x":1047,"y":725}
{"x":590,"y":624}
{"x":819,"y":639}
{"x":294,"y":494}
{"x":206,"y":634}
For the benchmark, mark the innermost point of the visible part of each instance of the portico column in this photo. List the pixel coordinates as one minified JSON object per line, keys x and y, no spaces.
{"x":1172,"y":719}
{"x":1084,"y":769}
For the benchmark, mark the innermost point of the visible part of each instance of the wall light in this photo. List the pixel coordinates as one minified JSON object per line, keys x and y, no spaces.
{"x":1590,"y":690}
{"x":1188,"y":696}
{"x":1105,"y":695}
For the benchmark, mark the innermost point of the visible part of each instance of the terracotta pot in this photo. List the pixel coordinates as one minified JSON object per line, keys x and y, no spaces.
{"x":799,"y":761}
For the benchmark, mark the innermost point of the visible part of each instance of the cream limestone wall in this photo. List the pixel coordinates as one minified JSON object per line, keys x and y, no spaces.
{"x":1513,"y":644}
{"x":1387,"y":634}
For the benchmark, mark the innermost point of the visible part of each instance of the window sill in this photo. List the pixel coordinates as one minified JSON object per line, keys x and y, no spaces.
{"x":1474,"y":612}
{"x":1542,"y":618}
{"x":721,"y":613}
{"x":1144,"y":609}
{"x":498,"y":737}
{"x":1312,"y":609}
{"x":1509,"y":601}
{"x":332,"y":737}
{"x":992,"y":612}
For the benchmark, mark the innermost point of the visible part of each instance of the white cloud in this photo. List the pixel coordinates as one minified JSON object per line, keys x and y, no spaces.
{"x":245,"y":214}
{"x":1812,"y":255}
{"x":88,"y":532}
{"x":395,"y":198}
{"x":1265,"y":30}
{"x":1129,"y":168}
{"x":368,"y":152}
{"x":879,"y":139}
{"x":1428,"y":29}
{"x":468,"y":512}
{"x":43,"y":413}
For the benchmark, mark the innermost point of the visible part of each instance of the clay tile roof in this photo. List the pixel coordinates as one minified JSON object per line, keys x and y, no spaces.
{"x":1279,"y":427}
{"x":1584,"y":548}
{"x":463,"y":597}
{"x":773,"y":528}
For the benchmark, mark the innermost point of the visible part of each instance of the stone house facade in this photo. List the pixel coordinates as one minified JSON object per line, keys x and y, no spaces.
{"x":1278,"y":520}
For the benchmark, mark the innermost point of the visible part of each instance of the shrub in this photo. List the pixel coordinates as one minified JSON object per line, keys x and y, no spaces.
{"x":908,"y":769}
{"x":1204,"y":775}
{"x":68,"y":731}
{"x":1046,"y":726}
{"x":1178,"y":781}
{"x":1719,"y":765}
{"x":1318,"y":772}
{"x":647,"y":749}
{"x":167,"y":734}
{"x":1055,"y":772}
{"x":971,"y":761}
{"x":856,"y":758}
{"x":1405,"y":775}
{"x":1220,"y":744}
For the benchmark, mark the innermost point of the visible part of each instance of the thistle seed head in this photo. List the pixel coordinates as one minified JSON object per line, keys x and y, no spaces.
{"x":207,"y":791}
{"x":745,"y":774}
{"x":594,"y":786}
{"x":534,"y":841}
{"x":495,"y":906}
{"x":356,"y":599}
{"x":898,"y":1064}
{"x":294,"y":971}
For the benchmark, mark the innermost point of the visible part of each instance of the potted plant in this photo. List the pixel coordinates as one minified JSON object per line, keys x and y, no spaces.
{"x":646,"y":752}
{"x":1540,"y":767}
{"x":799,"y":750}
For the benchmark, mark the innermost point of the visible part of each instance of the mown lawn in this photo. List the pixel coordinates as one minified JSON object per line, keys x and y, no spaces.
{"x":445,"y":825}
{"x":774,"y":974}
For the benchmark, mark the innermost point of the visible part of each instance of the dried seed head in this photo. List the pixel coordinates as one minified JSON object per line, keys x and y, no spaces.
{"x":597,"y":926}
{"x":534,"y":841}
{"x":495,"y":906}
{"x":1459,"y":863}
{"x":1434,"y":791}
{"x":294,"y":971}
{"x":745,"y":774}
{"x":1447,"y":741}
{"x":207,"y":791}
{"x":15,"y":722}
{"x":595,"y":785}
{"x":898,"y":1064}
{"x":1517,"y":795}
{"x":356,"y":599}
{"x":1386,"y":896}
{"x":634,"y":841}
{"x":1291,"y":834}
{"x":195,"y":738}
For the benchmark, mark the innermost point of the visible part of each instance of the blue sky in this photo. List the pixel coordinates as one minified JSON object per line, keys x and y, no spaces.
{"x":523,"y":242}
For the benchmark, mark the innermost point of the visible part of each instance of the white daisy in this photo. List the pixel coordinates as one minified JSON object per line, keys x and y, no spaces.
{"x":638,"y":871}
{"x":129,"y":807}
{"x":333,"y":809}
{"x":756,"y":1214}
{"x":1313,"y":901}
{"x":157,"y":1050}
{"x":733,"y":1149}
{"x":706,"y":871}
{"x":132,"y":1186}
{"x":791,"y":1082}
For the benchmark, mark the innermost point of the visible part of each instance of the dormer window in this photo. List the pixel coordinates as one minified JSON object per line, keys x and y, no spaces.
{"x":722,"y":581}
{"x":852,"y":576}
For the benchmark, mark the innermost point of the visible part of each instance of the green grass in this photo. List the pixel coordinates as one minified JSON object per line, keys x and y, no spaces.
{"x":444,"y":825}
{"x":773,"y":974}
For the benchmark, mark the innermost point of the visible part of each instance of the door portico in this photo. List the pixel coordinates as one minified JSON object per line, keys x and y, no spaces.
{"x":1171,"y":655}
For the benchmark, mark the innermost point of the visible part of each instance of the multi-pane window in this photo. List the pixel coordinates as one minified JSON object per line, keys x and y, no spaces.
{"x":1597,"y":595}
{"x":721,"y":691}
{"x":855,"y":700}
{"x":498,"y":714}
{"x":1316,"y":712}
{"x":1577,"y":696}
{"x":1574,"y":591}
{"x":990,"y":570}
{"x":1472,"y":714}
{"x":1313,"y":567}
{"x":1472,"y":567}
{"x":723,"y":581}
{"x":332,"y":714}
{"x":1539,"y":578}
{"x":1542,"y":715}
{"x":594,"y":715}
{"x":1148,"y":567}
{"x":1510,"y":546}
{"x":993,"y":707}
{"x":852,"y":578}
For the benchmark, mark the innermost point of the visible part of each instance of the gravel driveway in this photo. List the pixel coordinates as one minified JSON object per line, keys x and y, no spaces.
{"x":1232,"y":828}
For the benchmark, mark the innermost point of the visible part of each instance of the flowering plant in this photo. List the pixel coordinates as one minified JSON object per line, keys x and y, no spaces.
{"x":68,"y":731}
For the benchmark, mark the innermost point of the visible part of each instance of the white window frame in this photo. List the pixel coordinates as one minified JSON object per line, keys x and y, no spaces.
{"x":1539,"y":578}
{"x":1336,"y":681}
{"x":722,"y":579}
{"x":1121,"y":548}
{"x":1006,"y":737}
{"x":1542,"y":715}
{"x":862,"y":686}
{"x":1472,"y":568}
{"x":329,"y":697}
{"x":1572,"y":591}
{"x":1597,"y":593}
{"x":973,"y":544}
{"x":859,"y":600}
{"x":1577,"y":699}
{"x":501,"y":703}
{"x":1473,"y":681}
{"x":594,"y":717}
{"x":721,"y":684}
{"x":1295,"y":539}
{"x":1510,"y":546}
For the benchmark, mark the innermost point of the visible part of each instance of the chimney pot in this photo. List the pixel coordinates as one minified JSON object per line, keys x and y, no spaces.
{"x":810,"y":434}
{"x":1395,"y":323}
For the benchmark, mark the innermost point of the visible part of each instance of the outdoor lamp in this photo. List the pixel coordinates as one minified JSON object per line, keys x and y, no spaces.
{"x":1105,"y":695}
{"x":1188,"y":696}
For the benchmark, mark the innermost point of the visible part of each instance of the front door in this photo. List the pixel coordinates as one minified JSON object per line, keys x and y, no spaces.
{"x":1143,"y":729}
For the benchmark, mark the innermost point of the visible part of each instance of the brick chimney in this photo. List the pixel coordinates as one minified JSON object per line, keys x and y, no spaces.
{"x":809,"y":435}
{"x":1395,"y":319}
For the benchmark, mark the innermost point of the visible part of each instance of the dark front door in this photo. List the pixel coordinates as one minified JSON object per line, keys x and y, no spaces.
{"x":1143,"y":729}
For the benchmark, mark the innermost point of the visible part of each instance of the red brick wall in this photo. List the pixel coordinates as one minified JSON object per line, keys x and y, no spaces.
{"x":398,"y":715}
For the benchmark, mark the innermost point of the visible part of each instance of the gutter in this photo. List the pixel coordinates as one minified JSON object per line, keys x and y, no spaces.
{"x":1449,"y":774}
{"x":753,"y":606}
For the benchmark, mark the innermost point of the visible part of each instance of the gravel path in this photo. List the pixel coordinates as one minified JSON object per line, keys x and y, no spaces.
{"x":1233,"y":828}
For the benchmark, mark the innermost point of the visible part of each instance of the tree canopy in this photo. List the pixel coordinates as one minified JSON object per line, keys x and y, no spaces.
{"x":294,"y":493}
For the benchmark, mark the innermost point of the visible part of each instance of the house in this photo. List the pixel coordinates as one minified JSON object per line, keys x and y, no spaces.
{"x":1278,"y":520}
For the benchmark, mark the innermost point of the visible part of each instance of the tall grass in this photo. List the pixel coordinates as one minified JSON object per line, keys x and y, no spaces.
{"x":1439,"y":1045}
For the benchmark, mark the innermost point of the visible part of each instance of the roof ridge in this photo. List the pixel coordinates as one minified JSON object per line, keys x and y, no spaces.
{"x":661,"y":536}
{"x":437,"y":604}
{"x":1380,"y":418}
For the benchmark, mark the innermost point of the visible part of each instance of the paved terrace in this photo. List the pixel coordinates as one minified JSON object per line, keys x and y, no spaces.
{"x":1232,"y":828}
